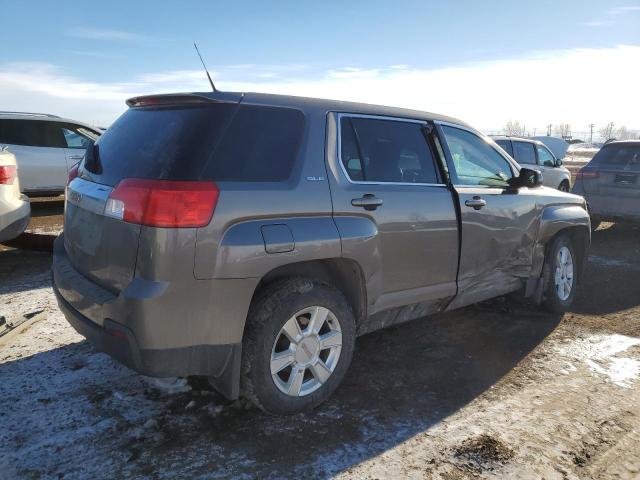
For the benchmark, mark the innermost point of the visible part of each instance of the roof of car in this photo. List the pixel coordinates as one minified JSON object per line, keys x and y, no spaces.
{"x":41,"y":116}
{"x":617,"y":142}
{"x":513,"y":137}
{"x":305,"y":103}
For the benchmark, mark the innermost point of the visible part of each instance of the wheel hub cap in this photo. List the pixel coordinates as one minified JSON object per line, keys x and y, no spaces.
{"x":563,"y":276}
{"x":306,"y":351}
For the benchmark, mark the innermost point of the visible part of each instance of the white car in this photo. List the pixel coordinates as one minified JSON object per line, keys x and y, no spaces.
{"x":529,"y":152}
{"x":46,"y":147}
{"x":15,"y":210}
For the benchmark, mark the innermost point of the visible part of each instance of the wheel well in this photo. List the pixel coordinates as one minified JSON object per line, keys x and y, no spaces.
{"x":343,"y":274}
{"x":580,"y":237}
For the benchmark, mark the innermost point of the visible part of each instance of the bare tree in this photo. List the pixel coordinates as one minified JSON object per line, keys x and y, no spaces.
{"x":607,"y":132}
{"x":563,"y":130}
{"x":513,"y":127}
{"x":623,"y":134}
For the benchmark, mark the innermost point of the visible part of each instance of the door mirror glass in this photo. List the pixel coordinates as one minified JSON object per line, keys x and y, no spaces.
{"x":528,"y":177}
{"x":558,"y":163}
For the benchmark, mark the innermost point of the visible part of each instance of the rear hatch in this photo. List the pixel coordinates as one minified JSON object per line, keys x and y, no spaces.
{"x":156,"y":150}
{"x":614,"y":170}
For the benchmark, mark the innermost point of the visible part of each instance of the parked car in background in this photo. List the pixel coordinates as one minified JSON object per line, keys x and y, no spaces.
{"x":250,"y":237}
{"x":534,"y":153}
{"x":610,"y":183}
{"x":46,"y":147}
{"x":14,"y":207}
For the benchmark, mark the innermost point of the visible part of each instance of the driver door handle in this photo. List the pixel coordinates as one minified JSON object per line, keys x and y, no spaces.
{"x":477,"y":203}
{"x":368,"y":202}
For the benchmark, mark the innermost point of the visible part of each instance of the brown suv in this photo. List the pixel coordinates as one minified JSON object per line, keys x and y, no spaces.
{"x":250,"y":238}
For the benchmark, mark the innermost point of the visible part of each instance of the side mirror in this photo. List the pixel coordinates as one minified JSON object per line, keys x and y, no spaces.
{"x":558,"y":162}
{"x":527,"y":178}
{"x":549,"y":163}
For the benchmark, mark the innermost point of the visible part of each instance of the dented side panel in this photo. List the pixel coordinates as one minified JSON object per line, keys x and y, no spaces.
{"x":497,"y":242}
{"x":555,"y":218}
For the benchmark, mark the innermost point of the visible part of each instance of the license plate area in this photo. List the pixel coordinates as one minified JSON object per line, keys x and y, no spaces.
{"x":626,"y":179}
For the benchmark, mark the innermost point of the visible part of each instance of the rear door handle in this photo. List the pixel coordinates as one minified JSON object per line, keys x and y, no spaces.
{"x":76,"y":157}
{"x":368,"y":202}
{"x":477,"y":203}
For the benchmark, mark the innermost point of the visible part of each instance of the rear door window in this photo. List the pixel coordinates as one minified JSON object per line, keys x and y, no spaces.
{"x":506,"y":146}
{"x":524,"y":153}
{"x":380,"y":150}
{"x":32,"y":133}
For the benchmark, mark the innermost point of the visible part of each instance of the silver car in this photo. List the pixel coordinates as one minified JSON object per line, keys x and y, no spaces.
{"x":46,"y":147}
{"x":250,"y":238}
{"x":535,"y":154}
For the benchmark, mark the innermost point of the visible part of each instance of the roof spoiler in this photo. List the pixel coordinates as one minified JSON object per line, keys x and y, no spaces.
{"x":184,"y":99}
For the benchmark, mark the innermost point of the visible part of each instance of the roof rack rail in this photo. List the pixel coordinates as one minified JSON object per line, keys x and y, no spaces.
{"x":29,"y":114}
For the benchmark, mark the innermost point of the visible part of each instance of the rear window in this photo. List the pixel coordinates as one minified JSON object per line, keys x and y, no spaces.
{"x":221,"y":142}
{"x":620,"y":156}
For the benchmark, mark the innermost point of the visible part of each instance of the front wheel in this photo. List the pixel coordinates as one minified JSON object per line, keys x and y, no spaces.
{"x":298,"y":345}
{"x":564,"y":186}
{"x":560,"y":275}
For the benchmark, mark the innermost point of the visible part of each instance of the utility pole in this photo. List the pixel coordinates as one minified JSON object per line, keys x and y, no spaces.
{"x":591,"y":132}
{"x":549,"y":129}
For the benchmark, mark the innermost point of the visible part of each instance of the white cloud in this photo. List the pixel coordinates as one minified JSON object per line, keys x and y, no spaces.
{"x":579,"y":87}
{"x":613,"y":13}
{"x":92,"y":33}
{"x":622,"y":10}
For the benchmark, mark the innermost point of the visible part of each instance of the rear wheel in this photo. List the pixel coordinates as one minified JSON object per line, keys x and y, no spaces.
{"x":298,"y":345}
{"x":560,"y":275}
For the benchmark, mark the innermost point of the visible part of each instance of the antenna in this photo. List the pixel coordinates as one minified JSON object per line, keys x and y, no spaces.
{"x":213,"y":87}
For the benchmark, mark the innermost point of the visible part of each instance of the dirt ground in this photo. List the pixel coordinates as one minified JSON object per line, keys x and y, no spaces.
{"x":496,"y":390}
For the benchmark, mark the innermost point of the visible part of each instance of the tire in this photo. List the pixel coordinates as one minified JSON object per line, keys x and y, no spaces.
{"x":556,"y":275}
{"x":564,"y":186}
{"x":267,"y":345}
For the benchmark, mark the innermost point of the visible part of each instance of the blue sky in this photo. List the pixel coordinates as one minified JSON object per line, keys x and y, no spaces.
{"x":120,"y":48}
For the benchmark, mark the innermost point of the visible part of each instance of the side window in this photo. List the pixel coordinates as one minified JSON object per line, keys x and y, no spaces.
{"x":475,"y":161}
{"x":545,"y":157}
{"x":506,"y":146}
{"x":23,"y":132}
{"x":74,"y":139}
{"x":524,"y":153}
{"x":377,"y":150}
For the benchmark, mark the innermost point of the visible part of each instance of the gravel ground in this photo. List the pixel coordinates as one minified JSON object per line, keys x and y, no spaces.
{"x":496,"y":390}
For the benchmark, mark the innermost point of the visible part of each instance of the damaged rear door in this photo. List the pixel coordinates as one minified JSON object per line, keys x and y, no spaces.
{"x":498,"y":224}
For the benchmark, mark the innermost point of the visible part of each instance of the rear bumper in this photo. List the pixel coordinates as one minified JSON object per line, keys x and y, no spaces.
{"x":614,"y":208}
{"x":14,"y":218}
{"x":116,"y":333}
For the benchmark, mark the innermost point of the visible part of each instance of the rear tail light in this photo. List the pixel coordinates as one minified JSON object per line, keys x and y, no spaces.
{"x":73,"y":173}
{"x":163,"y":203}
{"x":8,"y":174}
{"x":582,"y":174}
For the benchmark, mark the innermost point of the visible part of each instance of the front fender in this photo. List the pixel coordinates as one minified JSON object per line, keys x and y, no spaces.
{"x":554,"y":219}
